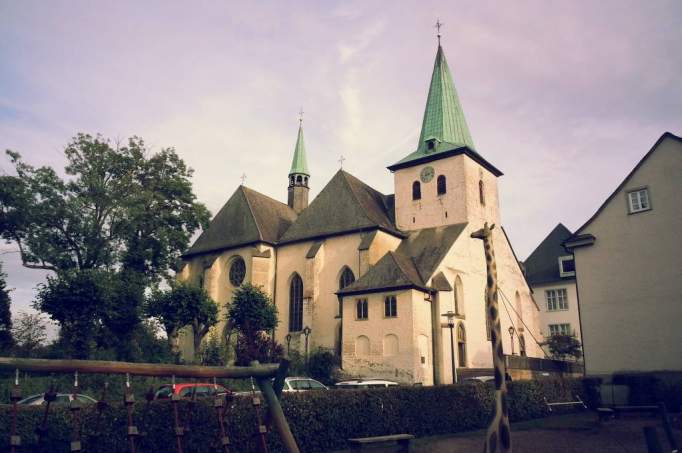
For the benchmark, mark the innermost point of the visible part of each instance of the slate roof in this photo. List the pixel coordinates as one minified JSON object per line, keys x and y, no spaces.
{"x":248,"y":217}
{"x":392,"y":271}
{"x":412,"y":264}
{"x":542,"y":266}
{"x":345,"y":204}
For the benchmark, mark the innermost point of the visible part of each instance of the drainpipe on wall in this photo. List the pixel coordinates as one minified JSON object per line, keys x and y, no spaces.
{"x":437,"y":339}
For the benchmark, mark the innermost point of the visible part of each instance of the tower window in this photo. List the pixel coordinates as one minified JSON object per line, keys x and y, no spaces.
{"x":481,"y":192}
{"x":416,"y":190}
{"x":441,"y":185}
{"x":299,"y":179}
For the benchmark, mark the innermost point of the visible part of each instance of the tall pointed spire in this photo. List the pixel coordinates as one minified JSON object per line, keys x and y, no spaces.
{"x":299,"y":165}
{"x":299,"y":174}
{"x":443,"y":116}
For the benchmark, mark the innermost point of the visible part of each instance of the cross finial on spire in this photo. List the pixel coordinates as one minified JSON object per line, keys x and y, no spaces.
{"x":438,"y":25}
{"x":300,"y":116}
{"x":243,"y":178}
{"x":341,"y":159}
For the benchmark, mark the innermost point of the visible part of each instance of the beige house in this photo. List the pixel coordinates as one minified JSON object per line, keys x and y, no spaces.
{"x":628,"y":260}
{"x":371,"y":274}
{"x":550,"y":270}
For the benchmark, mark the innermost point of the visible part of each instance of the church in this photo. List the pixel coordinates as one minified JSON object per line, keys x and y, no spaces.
{"x":392,"y":284}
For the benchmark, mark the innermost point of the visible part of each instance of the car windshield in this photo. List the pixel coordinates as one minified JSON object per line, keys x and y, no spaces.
{"x":164,"y":392}
{"x":31,"y":399}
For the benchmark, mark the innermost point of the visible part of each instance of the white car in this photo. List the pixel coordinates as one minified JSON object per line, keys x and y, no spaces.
{"x":301,"y":384}
{"x":62,"y":398}
{"x":365,"y":384}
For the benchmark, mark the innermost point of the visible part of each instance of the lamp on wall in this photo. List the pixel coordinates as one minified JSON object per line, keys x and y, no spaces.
{"x":288,"y":338}
{"x":306,"y":332}
{"x":511,"y":331}
{"x":450,"y":315}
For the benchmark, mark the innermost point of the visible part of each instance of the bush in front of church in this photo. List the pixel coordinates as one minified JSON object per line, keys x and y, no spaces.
{"x":320,"y":421}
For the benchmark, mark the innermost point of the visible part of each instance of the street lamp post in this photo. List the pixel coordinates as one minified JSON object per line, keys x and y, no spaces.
{"x":451,"y":325}
{"x":288,"y":337}
{"x":306,"y":332}
{"x":511,"y":331}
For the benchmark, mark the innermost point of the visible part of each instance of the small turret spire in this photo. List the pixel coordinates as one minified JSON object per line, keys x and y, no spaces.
{"x":299,"y":174}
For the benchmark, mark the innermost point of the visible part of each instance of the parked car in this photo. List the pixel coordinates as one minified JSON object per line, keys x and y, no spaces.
{"x":365,"y":384}
{"x":301,"y":384}
{"x":62,"y":398}
{"x":185,"y":390}
{"x":479,"y":379}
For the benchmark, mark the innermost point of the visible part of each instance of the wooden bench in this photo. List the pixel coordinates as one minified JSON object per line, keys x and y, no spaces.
{"x":403,"y":441}
{"x":621,"y":409}
{"x":579,"y":402}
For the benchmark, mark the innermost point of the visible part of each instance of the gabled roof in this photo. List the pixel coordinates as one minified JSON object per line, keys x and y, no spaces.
{"x":392,"y":272}
{"x":666,"y":135}
{"x":248,"y":217}
{"x":299,"y":164}
{"x":542,"y":266}
{"x":345,"y":204}
{"x":412,"y":264}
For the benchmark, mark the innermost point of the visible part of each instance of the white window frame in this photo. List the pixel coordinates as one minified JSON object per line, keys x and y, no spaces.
{"x":639,"y":200}
{"x":559,"y":329}
{"x":563,"y":273}
{"x":556,"y":299}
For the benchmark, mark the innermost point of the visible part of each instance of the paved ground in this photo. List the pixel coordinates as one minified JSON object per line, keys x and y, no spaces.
{"x":571,"y":433}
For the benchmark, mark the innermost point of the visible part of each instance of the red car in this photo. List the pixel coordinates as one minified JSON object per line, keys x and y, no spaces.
{"x":185,"y":390}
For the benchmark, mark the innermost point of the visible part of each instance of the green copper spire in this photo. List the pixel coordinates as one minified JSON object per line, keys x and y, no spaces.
{"x":443,"y":116}
{"x":299,"y":165}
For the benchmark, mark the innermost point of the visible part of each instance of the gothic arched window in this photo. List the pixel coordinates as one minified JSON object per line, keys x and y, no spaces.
{"x":461,"y":345}
{"x":441,"y":185}
{"x":296,"y":304}
{"x":416,"y":190}
{"x":459,"y":296}
{"x":346,"y":278}
{"x":481,"y":192}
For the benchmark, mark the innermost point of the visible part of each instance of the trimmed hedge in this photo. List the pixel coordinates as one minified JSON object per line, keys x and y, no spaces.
{"x":321,"y":421}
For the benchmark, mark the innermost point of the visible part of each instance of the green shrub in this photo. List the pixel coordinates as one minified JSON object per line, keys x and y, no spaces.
{"x":320,"y":421}
{"x":321,"y":366}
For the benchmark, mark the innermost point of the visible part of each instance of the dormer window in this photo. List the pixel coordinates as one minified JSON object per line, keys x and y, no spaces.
{"x":431,"y":144}
{"x":566,"y":266}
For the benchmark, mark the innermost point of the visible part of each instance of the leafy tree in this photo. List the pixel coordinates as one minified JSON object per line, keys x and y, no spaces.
{"x":253,"y":314}
{"x":120,"y":209}
{"x":182,"y":305}
{"x":6,"y":341}
{"x":29,"y":333}
{"x":563,"y":346}
{"x":79,"y":301}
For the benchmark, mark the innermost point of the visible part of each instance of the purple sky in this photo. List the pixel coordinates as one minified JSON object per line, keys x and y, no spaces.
{"x":563,"y":97}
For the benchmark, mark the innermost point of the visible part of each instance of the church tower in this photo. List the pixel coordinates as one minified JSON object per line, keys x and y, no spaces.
{"x":299,"y":175}
{"x":445,"y":181}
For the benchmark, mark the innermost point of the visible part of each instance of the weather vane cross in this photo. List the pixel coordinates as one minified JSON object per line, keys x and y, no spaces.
{"x":243,"y":178}
{"x":438,"y":25}
{"x":300,"y":116}
{"x":341,"y":159}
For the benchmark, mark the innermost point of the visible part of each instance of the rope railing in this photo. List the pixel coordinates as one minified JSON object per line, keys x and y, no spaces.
{"x":269,"y":377}
{"x":257,"y":371}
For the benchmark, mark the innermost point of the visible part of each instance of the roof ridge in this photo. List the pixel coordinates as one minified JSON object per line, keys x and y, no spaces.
{"x":248,"y":189}
{"x":355,"y":196}
{"x":665,"y":135}
{"x":253,"y":214}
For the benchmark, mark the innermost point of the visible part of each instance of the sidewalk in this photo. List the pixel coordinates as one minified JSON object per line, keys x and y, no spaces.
{"x":571,"y":433}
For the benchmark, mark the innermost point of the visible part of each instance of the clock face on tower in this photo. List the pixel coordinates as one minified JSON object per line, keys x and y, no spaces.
{"x":427,"y":174}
